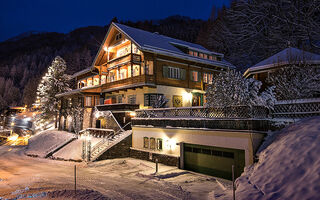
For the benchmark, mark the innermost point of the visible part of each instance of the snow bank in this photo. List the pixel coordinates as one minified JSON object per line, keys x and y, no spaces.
{"x":289,"y":168}
{"x":73,"y":150}
{"x":43,"y":143}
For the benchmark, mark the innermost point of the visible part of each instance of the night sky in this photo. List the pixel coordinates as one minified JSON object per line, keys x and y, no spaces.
{"x":19,"y":16}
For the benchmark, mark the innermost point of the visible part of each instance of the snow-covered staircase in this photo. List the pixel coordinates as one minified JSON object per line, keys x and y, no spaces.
{"x":108,"y":143}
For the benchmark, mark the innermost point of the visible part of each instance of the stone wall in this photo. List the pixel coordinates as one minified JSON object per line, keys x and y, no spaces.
{"x":120,"y":150}
{"x":162,"y":158}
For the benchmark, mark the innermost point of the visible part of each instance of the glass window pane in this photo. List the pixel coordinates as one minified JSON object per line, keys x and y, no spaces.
{"x":146,"y":142}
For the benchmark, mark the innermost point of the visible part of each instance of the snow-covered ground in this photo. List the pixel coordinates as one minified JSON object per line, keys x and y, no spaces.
{"x":289,"y":168}
{"x":109,"y":179}
{"x":43,"y":142}
{"x":73,"y":151}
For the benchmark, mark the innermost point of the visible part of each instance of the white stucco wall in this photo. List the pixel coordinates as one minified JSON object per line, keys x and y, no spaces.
{"x":168,"y":92}
{"x":172,"y":136}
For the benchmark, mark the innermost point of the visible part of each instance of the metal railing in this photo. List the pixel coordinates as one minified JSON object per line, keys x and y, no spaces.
{"x":232,"y":112}
{"x":107,"y":138}
{"x":299,"y":108}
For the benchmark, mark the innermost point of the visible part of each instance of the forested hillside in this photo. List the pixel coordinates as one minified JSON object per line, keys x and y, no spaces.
{"x":246,"y":32}
{"x":250,"y":31}
{"x":24,"y":60}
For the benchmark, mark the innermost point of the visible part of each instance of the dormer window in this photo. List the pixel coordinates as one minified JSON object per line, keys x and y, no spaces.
{"x":118,"y":36}
{"x":195,"y":53}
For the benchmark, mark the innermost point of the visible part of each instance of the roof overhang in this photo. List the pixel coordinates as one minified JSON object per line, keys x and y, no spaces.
{"x":79,"y":91}
{"x":151,"y":49}
{"x":264,"y":68}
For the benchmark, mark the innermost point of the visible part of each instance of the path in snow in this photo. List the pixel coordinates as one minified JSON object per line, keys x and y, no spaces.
{"x":73,"y":151}
{"x":116,"y":179}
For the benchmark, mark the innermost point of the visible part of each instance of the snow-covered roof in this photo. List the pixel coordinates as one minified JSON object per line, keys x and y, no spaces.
{"x":166,"y":45}
{"x":76,"y":91}
{"x":288,"y":55}
{"x":86,"y":70}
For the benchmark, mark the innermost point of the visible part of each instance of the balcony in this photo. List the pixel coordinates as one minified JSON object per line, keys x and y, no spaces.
{"x":136,"y":58}
{"x":131,"y":82}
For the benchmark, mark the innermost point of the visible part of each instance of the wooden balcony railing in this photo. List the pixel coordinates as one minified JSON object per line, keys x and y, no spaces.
{"x":129,"y":81}
{"x":136,"y":58}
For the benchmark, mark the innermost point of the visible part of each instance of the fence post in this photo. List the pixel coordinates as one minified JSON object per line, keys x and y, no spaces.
{"x":156,"y":165}
{"x":84,"y":150}
{"x":89,"y":150}
{"x":75,"y":180}
{"x":233,"y":188}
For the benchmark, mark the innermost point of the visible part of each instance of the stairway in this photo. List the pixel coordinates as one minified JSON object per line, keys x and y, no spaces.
{"x":107,"y":143}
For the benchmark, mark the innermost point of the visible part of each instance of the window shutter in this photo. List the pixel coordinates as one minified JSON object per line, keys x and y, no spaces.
{"x":199,"y":76}
{"x":182,"y":74}
{"x":165,"y":71}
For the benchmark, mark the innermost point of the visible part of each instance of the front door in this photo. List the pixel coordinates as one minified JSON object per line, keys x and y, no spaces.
{"x":197,"y":99}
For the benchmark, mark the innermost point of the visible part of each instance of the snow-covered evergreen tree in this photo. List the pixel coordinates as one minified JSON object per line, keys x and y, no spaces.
{"x":232,"y":89}
{"x":76,"y":111}
{"x":52,"y":83}
{"x":296,"y":81}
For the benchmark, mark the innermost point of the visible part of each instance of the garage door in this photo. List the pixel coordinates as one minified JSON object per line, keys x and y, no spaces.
{"x":214,"y":161}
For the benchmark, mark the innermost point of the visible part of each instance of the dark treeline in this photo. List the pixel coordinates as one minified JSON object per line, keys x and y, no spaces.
{"x":246,"y":32}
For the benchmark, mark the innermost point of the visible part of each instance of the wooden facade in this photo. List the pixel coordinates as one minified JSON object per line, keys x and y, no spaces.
{"x":122,"y":65}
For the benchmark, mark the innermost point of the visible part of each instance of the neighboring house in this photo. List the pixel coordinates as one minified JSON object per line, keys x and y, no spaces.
{"x":288,"y":56}
{"x":134,"y":67}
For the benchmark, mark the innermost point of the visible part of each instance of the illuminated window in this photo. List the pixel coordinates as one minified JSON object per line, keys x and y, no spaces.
{"x":135,"y":49}
{"x":152,"y":143}
{"x":159,"y":144}
{"x":103,"y":79}
{"x":145,"y":142}
{"x":136,"y":69}
{"x":88,"y":101}
{"x":195,"y":53}
{"x":96,"y":100}
{"x":207,"y":78}
{"x":210,"y":57}
{"x":149,"y":67}
{"x":123,"y":73}
{"x":112,"y":76}
{"x":96,"y":81}
{"x":89,"y":82}
{"x":201,"y":55}
{"x":191,"y":53}
{"x":205,"y":56}
{"x":174,"y":73}
{"x":195,"y":76}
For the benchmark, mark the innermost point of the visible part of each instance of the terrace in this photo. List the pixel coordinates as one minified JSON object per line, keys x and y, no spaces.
{"x":236,"y":118}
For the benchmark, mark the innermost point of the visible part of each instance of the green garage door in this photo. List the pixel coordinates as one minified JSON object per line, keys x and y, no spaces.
{"x":214,"y":161}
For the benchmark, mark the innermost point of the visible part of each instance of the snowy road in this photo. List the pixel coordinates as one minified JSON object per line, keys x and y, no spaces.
{"x":115,"y":179}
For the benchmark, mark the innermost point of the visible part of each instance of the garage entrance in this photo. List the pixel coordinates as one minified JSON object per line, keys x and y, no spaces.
{"x":215,"y":161}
